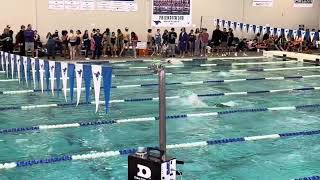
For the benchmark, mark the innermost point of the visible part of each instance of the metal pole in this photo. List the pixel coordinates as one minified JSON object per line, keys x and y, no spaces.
{"x":162,"y":112}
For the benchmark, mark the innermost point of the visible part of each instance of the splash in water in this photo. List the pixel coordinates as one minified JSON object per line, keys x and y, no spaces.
{"x":227,"y":104}
{"x":195,"y":101}
{"x":174,"y":61}
{"x":121,"y":65}
{"x":223,"y":74}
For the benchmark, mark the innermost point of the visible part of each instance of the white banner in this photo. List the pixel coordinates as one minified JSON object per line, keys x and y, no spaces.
{"x":303,"y":3}
{"x":264,"y":30}
{"x":278,"y":32}
{"x":220,"y":23}
{"x":251,"y":28}
{"x":56,"y":4}
{"x":71,"y":4}
{"x":114,"y":5}
{"x":2,"y":60}
{"x":271,"y":31}
{"x":312,"y":35}
{"x":25,"y":66}
{"x":90,"y":5}
{"x":96,"y":76}
{"x":262,"y":3}
{"x":18,"y":67}
{"x":286,"y":33}
{"x":52,"y":70}
{"x":12,"y":65}
{"x":295,"y":34}
{"x":174,"y":13}
{"x":303,"y":34}
{"x":79,"y":74}
{"x":87,"y":4}
{"x":41,"y":71}
{"x":245,"y":27}
{"x":33,"y":71}
{"x":7,"y":63}
{"x":238,"y":27}
{"x":64,"y":77}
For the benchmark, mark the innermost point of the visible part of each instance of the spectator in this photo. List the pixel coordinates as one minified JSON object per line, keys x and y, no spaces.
{"x":165,"y":37}
{"x":6,"y":40}
{"x":134,"y":40}
{"x":56,"y":37}
{"x":149,"y":39}
{"x":107,"y":43}
{"x":20,"y":40}
{"x":157,"y":38}
{"x":94,"y":31}
{"x":86,"y":43}
{"x":72,"y":38}
{"x":98,"y":44}
{"x":120,"y":42}
{"x":197,"y":42}
{"x":266,"y":36}
{"x":224,"y":42}
{"x":78,"y":43}
{"x":11,"y":46}
{"x":126,"y":38}
{"x":257,"y":37}
{"x":114,"y":44}
{"x":37,"y":43}
{"x":204,"y":42}
{"x":192,"y":39}
{"x":216,"y":36}
{"x":51,"y":46}
{"x":183,"y":42}
{"x":64,"y":39}
{"x":230,"y":39}
{"x":172,"y":42}
{"x":29,"y":40}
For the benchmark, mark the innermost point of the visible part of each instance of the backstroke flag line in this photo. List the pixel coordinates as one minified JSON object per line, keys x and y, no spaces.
{"x":50,"y":73}
{"x":276,"y":31}
{"x":33,"y":70}
{"x":41,"y":70}
{"x":19,"y":67}
{"x":96,"y":76}
{"x":107,"y":79}
{"x":12,"y":65}
{"x":64,"y":74}
{"x":25,"y":69}
{"x":7,"y":64}
{"x":79,"y":74}
{"x":52,"y":70}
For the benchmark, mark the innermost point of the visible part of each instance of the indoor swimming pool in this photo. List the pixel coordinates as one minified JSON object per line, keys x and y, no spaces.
{"x":225,"y":108}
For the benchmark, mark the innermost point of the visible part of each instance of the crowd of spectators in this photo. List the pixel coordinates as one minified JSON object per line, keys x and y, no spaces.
{"x":109,"y":44}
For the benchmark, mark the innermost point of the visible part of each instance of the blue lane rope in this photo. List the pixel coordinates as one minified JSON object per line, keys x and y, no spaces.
{"x":309,"y":178}
{"x":206,"y":65}
{"x":127,"y":151}
{"x":254,"y":69}
{"x":149,"y":119}
{"x":144,"y":99}
{"x":179,"y":83}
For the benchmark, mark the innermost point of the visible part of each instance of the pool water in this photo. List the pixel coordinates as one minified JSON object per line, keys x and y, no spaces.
{"x":263,"y":160}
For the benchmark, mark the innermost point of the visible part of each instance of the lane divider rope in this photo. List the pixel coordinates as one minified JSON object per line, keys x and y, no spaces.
{"x":176,"y":83}
{"x":216,"y":81}
{"x":210,"y":65}
{"x":309,"y":178}
{"x":149,"y":119}
{"x":255,"y":69}
{"x":144,"y":99}
{"x":127,"y":151}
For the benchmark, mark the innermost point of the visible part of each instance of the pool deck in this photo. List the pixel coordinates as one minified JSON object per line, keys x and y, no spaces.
{"x":294,"y":55}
